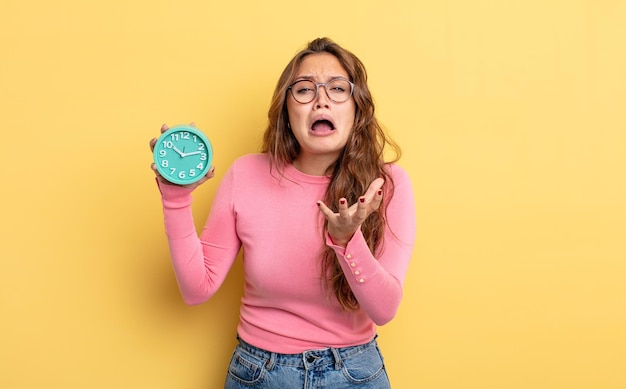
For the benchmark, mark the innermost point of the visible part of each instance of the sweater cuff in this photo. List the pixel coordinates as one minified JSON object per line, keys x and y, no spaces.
{"x":355,"y":259}
{"x":174,"y":196}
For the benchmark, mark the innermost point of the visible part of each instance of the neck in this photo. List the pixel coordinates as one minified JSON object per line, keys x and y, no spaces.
{"x":314,"y":165}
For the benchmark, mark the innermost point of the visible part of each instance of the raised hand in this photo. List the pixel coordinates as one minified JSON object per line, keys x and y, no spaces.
{"x":162,"y":180}
{"x":343,"y":224}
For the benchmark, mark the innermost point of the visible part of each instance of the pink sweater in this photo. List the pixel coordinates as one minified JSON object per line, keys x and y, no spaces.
{"x":277,"y":222}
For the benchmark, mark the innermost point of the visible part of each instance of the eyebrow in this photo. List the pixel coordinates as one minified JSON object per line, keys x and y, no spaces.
{"x":312,"y":78}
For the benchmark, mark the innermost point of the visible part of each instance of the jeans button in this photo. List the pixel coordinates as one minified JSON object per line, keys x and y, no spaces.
{"x":310,"y":359}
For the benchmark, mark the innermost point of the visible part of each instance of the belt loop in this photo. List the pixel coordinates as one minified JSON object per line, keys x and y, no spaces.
{"x":269,"y":365}
{"x":337,"y":358}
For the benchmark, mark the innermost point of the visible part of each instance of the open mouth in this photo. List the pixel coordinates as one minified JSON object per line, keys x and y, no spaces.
{"x":323,"y":125}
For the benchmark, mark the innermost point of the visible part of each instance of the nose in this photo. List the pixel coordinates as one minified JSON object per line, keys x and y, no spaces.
{"x":322,"y":100}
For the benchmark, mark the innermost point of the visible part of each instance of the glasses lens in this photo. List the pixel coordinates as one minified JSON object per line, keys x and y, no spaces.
{"x":339,"y":90}
{"x":303,"y":91}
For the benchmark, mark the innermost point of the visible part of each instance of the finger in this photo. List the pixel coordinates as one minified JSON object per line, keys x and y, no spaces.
{"x":377,"y":200}
{"x":210,"y":174}
{"x":328,"y":213}
{"x":373,"y":189}
{"x":344,"y":211}
{"x":164,"y":128}
{"x":362,"y":209}
{"x":365,"y":207}
{"x":192,"y":124}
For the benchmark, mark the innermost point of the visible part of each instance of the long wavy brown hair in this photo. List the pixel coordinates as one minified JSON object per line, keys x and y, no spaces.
{"x":361,"y":161}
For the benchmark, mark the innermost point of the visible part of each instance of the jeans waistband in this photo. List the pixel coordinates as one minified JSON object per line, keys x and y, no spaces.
{"x":307,"y":359}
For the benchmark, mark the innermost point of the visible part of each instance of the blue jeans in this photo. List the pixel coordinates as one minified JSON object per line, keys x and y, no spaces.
{"x":331,"y":368}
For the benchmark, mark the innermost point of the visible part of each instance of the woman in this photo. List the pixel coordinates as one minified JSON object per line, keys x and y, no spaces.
{"x":326,"y":226}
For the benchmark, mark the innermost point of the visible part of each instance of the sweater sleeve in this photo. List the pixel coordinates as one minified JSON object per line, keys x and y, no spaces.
{"x":200,"y":264}
{"x":377,"y":281}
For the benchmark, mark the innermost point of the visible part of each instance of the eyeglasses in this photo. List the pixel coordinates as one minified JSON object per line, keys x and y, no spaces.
{"x":338,"y":90}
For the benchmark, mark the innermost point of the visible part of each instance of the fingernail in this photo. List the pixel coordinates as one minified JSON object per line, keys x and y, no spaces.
{"x":362,"y":199}
{"x":380,"y":192}
{"x":318,"y":203}
{"x":342,"y":201}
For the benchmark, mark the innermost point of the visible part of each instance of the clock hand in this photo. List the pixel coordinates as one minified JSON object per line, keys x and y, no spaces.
{"x":182,"y":155}
{"x":193,"y":153}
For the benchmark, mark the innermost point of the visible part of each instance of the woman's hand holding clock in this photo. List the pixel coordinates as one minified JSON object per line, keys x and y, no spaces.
{"x":182,"y":154}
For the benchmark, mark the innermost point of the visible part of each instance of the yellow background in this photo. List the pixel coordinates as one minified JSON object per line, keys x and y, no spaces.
{"x":511,"y":115}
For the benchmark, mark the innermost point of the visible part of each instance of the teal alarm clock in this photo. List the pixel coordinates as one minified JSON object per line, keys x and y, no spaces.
{"x":183,"y":155}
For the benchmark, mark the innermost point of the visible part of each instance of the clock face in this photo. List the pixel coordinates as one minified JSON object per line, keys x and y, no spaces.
{"x":183,"y":155}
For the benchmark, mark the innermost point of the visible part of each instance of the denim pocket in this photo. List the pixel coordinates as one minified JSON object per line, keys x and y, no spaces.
{"x":246,"y":368}
{"x":364,"y":366}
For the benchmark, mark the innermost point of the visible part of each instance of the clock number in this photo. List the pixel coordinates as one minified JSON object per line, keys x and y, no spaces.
{"x":192,"y":172}
{"x":165,"y":163}
{"x":203,"y":157}
{"x":201,"y":146}
{"x":172,"y":170}
{"x":162,"y":153}
{"x":167,"y":144}
{"x":181,"y":174}
{"x":195,"y":139}
{"x":184,"y":135}
{"x":200,"y":166}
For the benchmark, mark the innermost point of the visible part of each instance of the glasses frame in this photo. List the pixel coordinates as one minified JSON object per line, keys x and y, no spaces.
{"x":325,"y":85}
